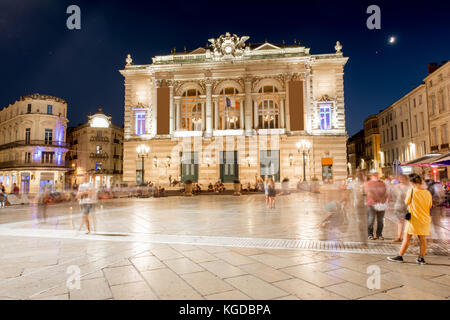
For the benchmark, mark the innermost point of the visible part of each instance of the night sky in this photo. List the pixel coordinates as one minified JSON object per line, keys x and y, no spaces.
{"x":39,"y":54}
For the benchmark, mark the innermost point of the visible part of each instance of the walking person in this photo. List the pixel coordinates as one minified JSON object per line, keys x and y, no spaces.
{"x":437,"y":211}
{"x":266,"y":190}
{"x":376,"y":202}
{"x":3,"y":194}
{"x":87,"y":198}
{"x":271,"y":192}
{"x":400,"y":208}
{"x":420,"y":202}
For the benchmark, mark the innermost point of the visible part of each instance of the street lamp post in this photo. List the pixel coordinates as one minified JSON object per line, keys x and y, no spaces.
{"x":142,"y":152}
{"x":304,"y":146}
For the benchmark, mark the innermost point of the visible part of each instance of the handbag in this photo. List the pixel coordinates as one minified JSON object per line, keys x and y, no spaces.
{"x":408,"y":214}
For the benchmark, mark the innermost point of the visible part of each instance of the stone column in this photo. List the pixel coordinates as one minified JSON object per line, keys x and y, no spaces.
{"x":241,"y":116}
{"x":203,"y":116}
{"x":287,"y":118}
{"x":151,"y":122}
{"x":255,"y":114}
{"x":171,"y":111}
{"x":282,"y":113}
{"x":339,"y":109}
{"x":208,"y":112}
{"x":178,"y":124}
{"x":248,"y":106}
{"x":216,"y":114}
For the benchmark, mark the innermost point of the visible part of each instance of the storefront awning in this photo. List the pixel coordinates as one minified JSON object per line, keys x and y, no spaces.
{"x":443,"y":160}
{"x":425,"y":161}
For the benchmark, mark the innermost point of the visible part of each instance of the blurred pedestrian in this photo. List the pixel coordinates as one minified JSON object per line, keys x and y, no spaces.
{"x":15,"y":189}
{"x":376,"y":202}
{"x":438,"y":195}
{"x":400,"y":208}
{"x":266,"y":190}
{"x":3,"y":194}
{"x":87,"y":196}
{"x":271,"y":193}
{"x":420,"y":202}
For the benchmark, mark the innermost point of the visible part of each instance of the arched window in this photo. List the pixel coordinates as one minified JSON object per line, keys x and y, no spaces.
{"x":229,"y":109}
{"x":191,"y":110}
{"x":268,"y":108}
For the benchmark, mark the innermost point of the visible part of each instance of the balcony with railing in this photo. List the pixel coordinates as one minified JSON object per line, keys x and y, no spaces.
{"x":116,"y":141}
{"x":99,"y":155}
{"x":444,"y":146}
{"x":99,"y":139}
{"x":434,"y":148}
{"x":33,"y":164}
{"x":33,"y":143}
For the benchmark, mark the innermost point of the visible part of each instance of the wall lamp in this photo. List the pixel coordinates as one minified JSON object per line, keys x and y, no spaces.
{"x":248,"y":160}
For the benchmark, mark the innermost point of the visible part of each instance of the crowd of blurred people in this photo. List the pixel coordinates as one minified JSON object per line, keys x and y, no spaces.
{"x":417,"y":203}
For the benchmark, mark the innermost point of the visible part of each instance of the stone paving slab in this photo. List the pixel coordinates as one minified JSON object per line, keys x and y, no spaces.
{"x":217,"y":252}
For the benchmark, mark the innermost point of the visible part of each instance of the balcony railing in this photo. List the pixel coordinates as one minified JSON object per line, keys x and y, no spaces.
{"x":435,"y":148}
{"x":116,"y":141}
{"x":104,"y":171}
{"x":444,"y":146}
{"x":23,"y":143}
{"x":102,"y":155}
{"x":99,"y":139}
{"x":32,"y":164}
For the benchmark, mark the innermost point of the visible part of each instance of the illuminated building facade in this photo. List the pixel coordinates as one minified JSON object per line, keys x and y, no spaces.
{"x":33,"y":143}
{"x":96,"y":152}
{"x":233,"y":111}
{"x":372,"y":154}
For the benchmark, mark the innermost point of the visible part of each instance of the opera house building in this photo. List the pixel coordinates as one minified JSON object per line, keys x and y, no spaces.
{"x":235,"y":110}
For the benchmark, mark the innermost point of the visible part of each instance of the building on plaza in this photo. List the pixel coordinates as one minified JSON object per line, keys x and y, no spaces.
{"x":437,"y":85}
{"x":355,"y":152}
{"x":372,"y":155}
{"x":404,"y":129}
{"x":235,"y":110}
{"x":33,"y":143}
{"x":96,"y":152}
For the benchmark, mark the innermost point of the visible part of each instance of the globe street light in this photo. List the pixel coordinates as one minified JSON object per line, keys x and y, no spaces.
{"x":304,"y":146}
{"x":142,"y":152}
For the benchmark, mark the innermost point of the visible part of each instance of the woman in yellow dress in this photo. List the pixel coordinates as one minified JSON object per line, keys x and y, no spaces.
{"x":420,"y":202}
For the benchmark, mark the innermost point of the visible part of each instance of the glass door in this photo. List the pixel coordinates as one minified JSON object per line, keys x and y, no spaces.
{"x":229,"y":167}
{"x":269,"y":161}
{"x":189,"y":166}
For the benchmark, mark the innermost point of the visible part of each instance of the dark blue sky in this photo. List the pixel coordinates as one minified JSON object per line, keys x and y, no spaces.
{"x":39,"y":54}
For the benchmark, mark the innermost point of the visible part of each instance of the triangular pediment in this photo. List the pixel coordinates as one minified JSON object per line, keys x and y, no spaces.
{"x":267,"y":46}
{"x":198,"y":50}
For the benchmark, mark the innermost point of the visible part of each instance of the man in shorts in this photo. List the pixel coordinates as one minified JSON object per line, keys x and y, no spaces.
{"x":87,"y":196}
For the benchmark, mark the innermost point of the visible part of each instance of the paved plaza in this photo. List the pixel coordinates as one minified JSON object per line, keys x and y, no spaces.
{"x":211,"y":247}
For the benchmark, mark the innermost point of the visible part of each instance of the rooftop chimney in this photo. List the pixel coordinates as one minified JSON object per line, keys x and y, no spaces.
{"x":432,"y":67}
